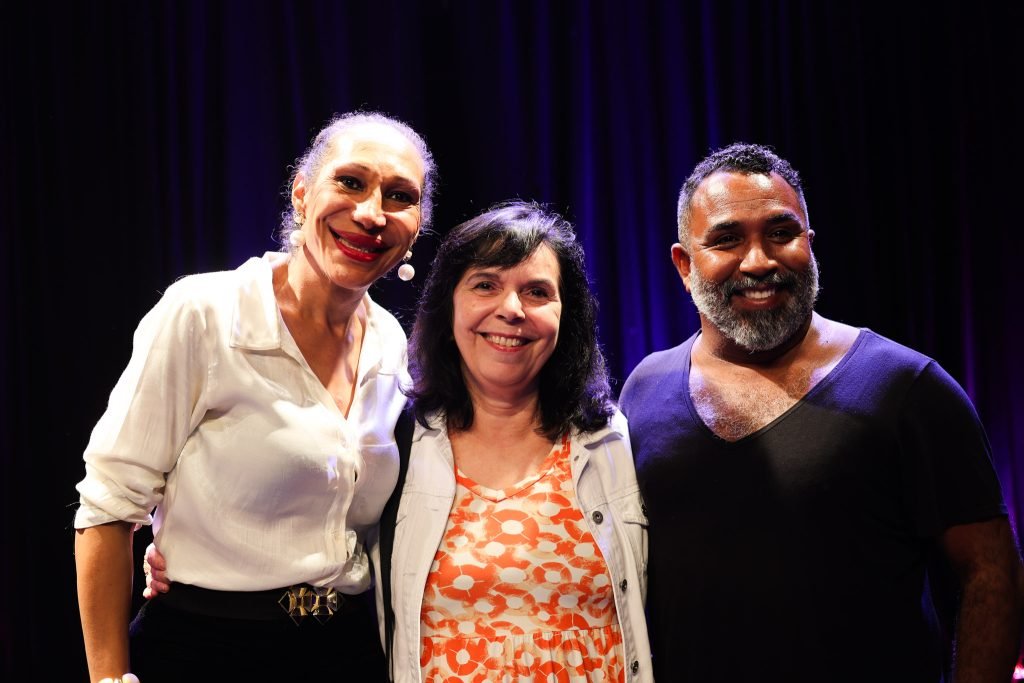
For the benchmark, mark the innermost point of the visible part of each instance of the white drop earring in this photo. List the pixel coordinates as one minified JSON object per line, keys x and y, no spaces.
{"x":405,"y":271}
{"x":297,"y":238}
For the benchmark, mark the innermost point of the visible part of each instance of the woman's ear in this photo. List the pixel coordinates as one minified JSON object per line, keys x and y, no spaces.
{"x":299,"y":194}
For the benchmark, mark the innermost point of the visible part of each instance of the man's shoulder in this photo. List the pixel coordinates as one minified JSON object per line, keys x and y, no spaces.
{"x":880,"y":351}
{"x":884,"y":372}
{"x":651,"y":376}
{"x":660,"y":361}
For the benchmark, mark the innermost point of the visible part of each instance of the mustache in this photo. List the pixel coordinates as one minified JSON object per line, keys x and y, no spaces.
{"x":776,"y":279}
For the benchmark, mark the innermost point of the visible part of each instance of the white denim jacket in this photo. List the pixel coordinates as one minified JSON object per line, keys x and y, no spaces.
{"x":607,"y":492}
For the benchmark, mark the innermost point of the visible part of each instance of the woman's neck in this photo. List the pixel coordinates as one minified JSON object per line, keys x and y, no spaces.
{"x":309,"y":296}
{"x":503,"y":445}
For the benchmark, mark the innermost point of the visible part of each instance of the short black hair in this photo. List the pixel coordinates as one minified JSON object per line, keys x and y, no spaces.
{"x":739,"y":157}
{"x":573,"y":386}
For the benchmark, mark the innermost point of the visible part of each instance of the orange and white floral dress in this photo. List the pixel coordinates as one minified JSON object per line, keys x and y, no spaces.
{"x":518,"y":590}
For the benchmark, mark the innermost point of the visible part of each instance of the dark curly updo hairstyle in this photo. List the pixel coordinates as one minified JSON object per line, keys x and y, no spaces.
{"x":573,"y":386}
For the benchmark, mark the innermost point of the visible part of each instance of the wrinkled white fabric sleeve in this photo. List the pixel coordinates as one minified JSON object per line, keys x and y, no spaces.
{"x":152,"y":409}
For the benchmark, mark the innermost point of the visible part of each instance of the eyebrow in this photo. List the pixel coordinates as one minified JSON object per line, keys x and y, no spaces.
{"x":496,"y":273}
{"x":777,"y":219}
{"x":784,"y":217}
{"x":399,"y":178}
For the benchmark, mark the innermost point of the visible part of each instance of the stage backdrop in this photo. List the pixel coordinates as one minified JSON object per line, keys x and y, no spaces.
{"x":143,"y":141}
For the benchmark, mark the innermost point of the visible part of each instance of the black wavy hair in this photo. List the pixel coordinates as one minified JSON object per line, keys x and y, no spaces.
{"x":573,"y":386}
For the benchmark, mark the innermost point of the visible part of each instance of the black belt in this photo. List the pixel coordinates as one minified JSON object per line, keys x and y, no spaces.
{"x":296,"y":602}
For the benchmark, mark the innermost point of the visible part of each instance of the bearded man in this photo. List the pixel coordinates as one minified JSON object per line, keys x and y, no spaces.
{"x":801,"y":475}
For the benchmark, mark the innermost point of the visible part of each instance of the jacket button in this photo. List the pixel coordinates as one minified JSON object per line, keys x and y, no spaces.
{"x":622,"y":585}
{"x":597,"y":517}
{"x":634,"y":667}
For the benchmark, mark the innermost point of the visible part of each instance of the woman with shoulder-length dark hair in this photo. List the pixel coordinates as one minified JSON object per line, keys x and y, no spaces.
{"x":573,"y":385}
{"x":520,"y":540}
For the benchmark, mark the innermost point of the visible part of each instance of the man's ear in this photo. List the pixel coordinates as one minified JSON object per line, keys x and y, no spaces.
{"x":681,"y":260}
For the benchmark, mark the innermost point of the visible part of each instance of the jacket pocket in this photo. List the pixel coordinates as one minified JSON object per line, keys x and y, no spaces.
{"x":631,"y":510}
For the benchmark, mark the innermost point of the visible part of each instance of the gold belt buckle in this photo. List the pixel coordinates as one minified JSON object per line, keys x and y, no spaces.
{"x":301,"y":601}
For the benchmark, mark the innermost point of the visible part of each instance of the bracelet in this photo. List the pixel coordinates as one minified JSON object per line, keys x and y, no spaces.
{"x":123,"y":678}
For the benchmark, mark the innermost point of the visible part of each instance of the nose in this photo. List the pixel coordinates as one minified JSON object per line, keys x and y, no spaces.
{"x":510,"y":308}
{"x":757,"y":261}
{"x":369,"y":211}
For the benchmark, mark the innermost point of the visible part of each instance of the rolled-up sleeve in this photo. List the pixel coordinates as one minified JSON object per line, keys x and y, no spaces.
{"x":152,"y":409}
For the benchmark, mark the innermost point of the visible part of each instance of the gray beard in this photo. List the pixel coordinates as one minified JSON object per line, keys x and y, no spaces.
{"x":757,"y":330}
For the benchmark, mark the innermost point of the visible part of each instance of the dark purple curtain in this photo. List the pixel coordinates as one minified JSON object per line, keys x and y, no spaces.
{"x":143,"y":141}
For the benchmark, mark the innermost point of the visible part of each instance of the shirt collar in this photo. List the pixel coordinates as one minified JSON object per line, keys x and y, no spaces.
{"x":255,"y":322}
{"x":435,"y":423}
{"x":615,"y":429}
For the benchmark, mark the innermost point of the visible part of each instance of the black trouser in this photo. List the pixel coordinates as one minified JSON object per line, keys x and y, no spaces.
{"x":174,"y":645}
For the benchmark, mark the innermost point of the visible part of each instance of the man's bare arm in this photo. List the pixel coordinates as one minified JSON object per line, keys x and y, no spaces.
{"x":987,"y":563}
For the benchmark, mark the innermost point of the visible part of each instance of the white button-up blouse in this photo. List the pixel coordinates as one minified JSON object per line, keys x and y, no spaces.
{"x":257,"y":478}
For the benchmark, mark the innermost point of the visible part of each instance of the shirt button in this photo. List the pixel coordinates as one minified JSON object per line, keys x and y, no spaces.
{"x":634,"y":667}
{"x":597,"y":517}
{"x":622,"y":585}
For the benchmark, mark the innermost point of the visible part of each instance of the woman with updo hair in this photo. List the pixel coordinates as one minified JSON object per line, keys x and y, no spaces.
{"x":255,"y":422}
